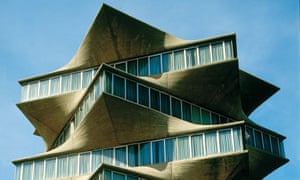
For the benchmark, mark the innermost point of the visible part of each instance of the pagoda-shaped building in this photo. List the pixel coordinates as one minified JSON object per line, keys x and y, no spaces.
{"x":137,"y":103}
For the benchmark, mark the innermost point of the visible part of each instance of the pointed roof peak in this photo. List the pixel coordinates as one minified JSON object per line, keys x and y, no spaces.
{"x":115,"y":35}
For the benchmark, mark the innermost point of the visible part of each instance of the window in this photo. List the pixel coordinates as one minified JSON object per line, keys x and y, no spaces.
{"x":118,"y":176}
{"x":120,"y":156}
{"x":196,"y":115}
{"x":179,"y":60}
{"x":44,"y":88}
{"x":143,"y":67}
{"x":183,"y":148}
{"x":143,"y":95}
{"x":121,"y":66}
{"x":108,"y":82}
{"x":267,"y":145}
{"x":108,"y":156}
{"x":237,"y":138}
{"x":76,"y":81}
{"x":27,"y":170}
{"x":225,"y":141}
{"x":84,"y":163}
{"x":275,"y":147}
{"x":204,"y":54}
{"x":107,"y":174}
{"x":38,"y":169}
{"x":86,"y":78}
{"x":24,"y":92}
{"x":186,"y":111}
{"x":155,"y":100}
{"x":211,"y":143}
{"x":158,"y":152}
{"x":119,"y":86}
{"x":73,"y":165}
{"x":171,"y":149}
{"x":197,"y":145}
{"x":55,"y":86}
{"x":96,"y":159}
{"x":214,"y":118}
{"x":50,"y":169}
{"x":131,"y":90}
{"x":133,"y":155}
{"x":191,"y":57}
{"x":62,"y":166}
{"x":33,"y":90}
{"x":66,"y":83}
{"x":132,"y":67}
{"x":165,"y":103}
{"x":176,"y":108}
{"x":258,"y":140}
{"x":18,"y":171}
{"x":217,"y":52}
{"x":205,"y":116}
{"x":145,"y":154}
{"x":228,"y":50}
{"x":166,"y":62}
{"x":155,"y":67}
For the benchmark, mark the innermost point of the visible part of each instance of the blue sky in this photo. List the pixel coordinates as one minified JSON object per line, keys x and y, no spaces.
{"x":38,"y":36}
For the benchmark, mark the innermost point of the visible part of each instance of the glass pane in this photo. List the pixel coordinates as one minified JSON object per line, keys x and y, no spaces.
{"x":24,"y":92}
{"x":108,"y":156}
{"x":27,"y":171}
{"x":155,"y":67}
{"x":120,"y":156}
{"x":119,"y":86}
{"x":275,"y":147}
{"x":97,"y":88}
{"x":214,"y":118}
{"x":38,"y":169}
{"x":186,"y":111}
{"x":217,"y":52}
{"x":176,"y":108}
{"x":237,"y":137}
{"x":131,"y":178}
{"x":143,"y":95}
{"x":171,"y":150}
{"x":96,"y":159}
{"x":223,"y":119}
{"x":133,"y":155}
{"x":196,"y":115}
{"x":131,"y":90}
{"x":33,"y":90}
{"x":107,"y":174}
{"x":145,"y":154}
{"x":158,"y":152}
{"x":204,"y":54}
{"x":205,"y":116}
{"x":249,"y":136}
{"x":166,"y":62}
{"x":86,"y":78}
{"x":76,"y":81}
{"x":178,"y":60}
{"x":267,"y":145}
{"x":197,"y":145}
{"x":84,"y":163}
{"x":117,"y":176}
{"x":143,"y":67}
{"x":155,"y":100}
{"x":44,"y":88}
{"x":225,"y":141}
{"x":258,"y":140}
{"x":183,"y":148}
{"x":165,"y":103}
{"x":62,"y":166}
{"x":55,"y":86}
{"x":66,"y":83}
{"x":211,"y":143}
{"x":191,"y":57}
{"x":50,"y":169}
{"x":228,"y":50}
{"x":18,"y":172}
{"x":121,"y":66}
{"x":73,"y":165}
{"x":132,"y":67}
{"x":108,"y":82}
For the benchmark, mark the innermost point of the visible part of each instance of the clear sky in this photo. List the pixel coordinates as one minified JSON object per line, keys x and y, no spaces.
{"x":39,"y":36}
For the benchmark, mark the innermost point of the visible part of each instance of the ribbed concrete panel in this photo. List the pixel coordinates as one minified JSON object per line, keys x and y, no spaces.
{"x":115,"y":35}
{"x":50,"y":115}
{"x":214,"y":86}
{"x":254,"y":91}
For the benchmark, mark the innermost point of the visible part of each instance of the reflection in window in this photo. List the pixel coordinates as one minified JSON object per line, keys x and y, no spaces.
{"x":183,"y":148}
{"x":66,"y":83}
{"x":176,"y":108}
{"x":196,"y":115}
{"x":38,"y":169}
{"x":171,"y":149}
{"x":225,"y":141}
{"x":143,"y":67}
{"x":178,"y":60}
{"x":191,"y":57}
{"x":145,"y":154}
{"x":131,"y":91}
{"x":50,"y":169}
{"x":86,"y":78}
{"x":205,"y":116}
{"x":143,"y":95}
{"x":211,"y":143}
{"x":120,"y":156}
{"x":133,"y":155}
{"x":132,"y":67}
{"x":44,"y":88}
{"x":108,"y":156}
{"x":76,"y":81}
{"x":84,"y":163}
{"x":62,"y":166}
{"x":197,"y":145}
{"x":258,"y":140}
{"x":157,"y":152}
{"x":165,"y":103}
{"x":119,"y":86}
{"x":228,"y":50}
{"x":204,"y":54}
{"x":217,"y":52}
{"x":155,"y":99}
{"x":186,"y":111}
{"x":55,"y":86}
{"x":33,"y":91}
{"x":73,"y":165}
{"x":96,"y":159}
{"x":166,"y":62}
{"x":121,"y":66}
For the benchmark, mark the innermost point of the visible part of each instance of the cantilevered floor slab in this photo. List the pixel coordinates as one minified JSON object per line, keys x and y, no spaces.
{"x":50,"y":115}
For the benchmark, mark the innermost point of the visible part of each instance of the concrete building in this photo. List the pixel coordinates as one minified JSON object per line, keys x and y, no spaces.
{"x":138,"y":103}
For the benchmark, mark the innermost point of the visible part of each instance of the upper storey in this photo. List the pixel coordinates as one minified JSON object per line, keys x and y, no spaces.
{"x":140,"y":49}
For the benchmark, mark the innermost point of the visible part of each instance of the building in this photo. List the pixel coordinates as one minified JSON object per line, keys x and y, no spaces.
{"x":138,"y":103}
